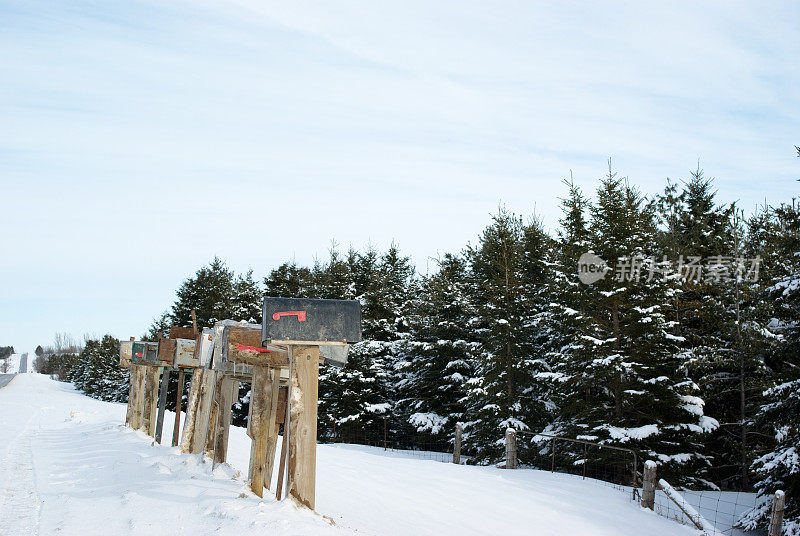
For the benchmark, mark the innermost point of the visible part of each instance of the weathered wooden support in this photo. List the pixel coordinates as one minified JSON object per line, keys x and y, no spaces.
{"x":457,"y":444}
{"x":263,"y":427}
{"x":302,"y":453}
{"x":776,"y":517}
{"x":649,"y":485}
{"x":204,"y":413}
{"x":511,"y":448}
{"x":282,"y":464}
{"x":136,"y":398}
{"x":214,"y":415}
{"x":191,"y":410}
{"x":228,"y":393}
{"x":178,"y":408}
{"x":198,"y":412}
{"x":162,"y":404}
{"x":151,"y":400}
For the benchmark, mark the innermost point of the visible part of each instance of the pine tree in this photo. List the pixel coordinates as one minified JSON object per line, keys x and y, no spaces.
{"x":289,"y":281}
{"x":443,"y":347}
{"x":98,"y":373}
{"x":778,"y":232}
{"x":503,"y":376}
{"x":210,"y":293}
{"x":623,"y":380}
{"x":248,"y":299}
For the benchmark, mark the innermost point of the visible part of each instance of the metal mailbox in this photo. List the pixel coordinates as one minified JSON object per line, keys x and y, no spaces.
{"x":219,"y":360}
{"x":301,"y":319}
{"x":144,"y":353}
{"x":206,"y":348}
{"x":125,"y":353}
{"x":184,"y":353}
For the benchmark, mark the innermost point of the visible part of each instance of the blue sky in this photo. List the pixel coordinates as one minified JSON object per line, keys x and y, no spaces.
{"x":141,"y":139}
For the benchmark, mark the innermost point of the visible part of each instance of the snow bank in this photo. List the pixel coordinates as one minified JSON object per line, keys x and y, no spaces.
{"x":70,"y":468}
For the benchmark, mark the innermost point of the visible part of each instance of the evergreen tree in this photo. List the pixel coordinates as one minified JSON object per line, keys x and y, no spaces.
{"x":443,"y":347}
{"x":248,"y":299}
{"x":210,"y":293}
{"x":289,"y":281}
{"x":503,"y":375}
{"x":779,"y":468}
{"x":98,"y":373}
{"x":623,"y":376}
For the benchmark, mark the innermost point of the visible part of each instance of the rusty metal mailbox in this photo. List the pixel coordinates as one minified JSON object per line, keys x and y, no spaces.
{"x":144,"y":353}
{"x":320,"y":321}
{"x":184,"y":353}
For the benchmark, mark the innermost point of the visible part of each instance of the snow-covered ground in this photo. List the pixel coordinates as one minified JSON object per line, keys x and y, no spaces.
{"x":69,"y":467}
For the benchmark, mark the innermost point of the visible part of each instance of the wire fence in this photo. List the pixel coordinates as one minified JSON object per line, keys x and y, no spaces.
{"x":722,"y":509}
{"x":392,"y":434}
{"x":616,"y":467}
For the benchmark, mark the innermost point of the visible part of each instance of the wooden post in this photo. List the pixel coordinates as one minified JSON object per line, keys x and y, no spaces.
{"x":649,"y":485}
{"x":264,"y":404}
{"x":282,"y":464}
{"x":162,"y":404}
{"x":457,"y":444}
{"x":776,"y":518}
{"x":215,"y":414}
{"x":151,"y":400}
{"x":511,"y":448}
{"x":191,"y":410}
{"x":302,"y":464}
{"x":178,"y":409}
{"x":136,"y":403}
{"x":224,"y":420}
{"x":195,"y":430}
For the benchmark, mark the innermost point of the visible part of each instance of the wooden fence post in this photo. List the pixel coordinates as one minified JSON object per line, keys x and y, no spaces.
{"x":178,"y":407}
{"x":457,"y":444}
{"x":162,"y":404}
{"x":649,"y":485}
{"x":511,"y":448}
{"x":136,"y":403}
{"x":302,"y":455}
{"x":192,"y":403}
{"x":263,"y":428}
{"x":151,"y":400}
{"x":776,"y":519}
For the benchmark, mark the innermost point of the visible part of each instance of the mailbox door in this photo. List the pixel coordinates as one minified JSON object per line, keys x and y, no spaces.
{"x":138,"y":351}
{"x":151,"y":352}
{"x":300,"y":319}
{"x":184,"y":353}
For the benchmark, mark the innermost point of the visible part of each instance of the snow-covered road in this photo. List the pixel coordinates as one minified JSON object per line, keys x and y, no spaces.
{"x":4,"y":379}
{"x":68,"y":467}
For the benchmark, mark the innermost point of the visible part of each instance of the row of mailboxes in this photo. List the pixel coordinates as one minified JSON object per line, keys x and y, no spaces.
{"x":331,"y":324}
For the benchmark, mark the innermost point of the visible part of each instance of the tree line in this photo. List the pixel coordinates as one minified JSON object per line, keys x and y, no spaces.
{"x":684,"y":348}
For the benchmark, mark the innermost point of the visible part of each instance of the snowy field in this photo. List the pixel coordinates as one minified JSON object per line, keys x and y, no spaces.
{"x":68,"y":467}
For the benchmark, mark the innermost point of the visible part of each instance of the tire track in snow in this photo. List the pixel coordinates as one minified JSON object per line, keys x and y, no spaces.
{"x":19,"y":502}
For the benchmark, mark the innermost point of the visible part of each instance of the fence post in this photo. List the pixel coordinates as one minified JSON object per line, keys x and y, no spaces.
{"x":511,"y":448}
{"x":776,"y":519}
{"x":649,"y":485}
{"x":457,"y":444}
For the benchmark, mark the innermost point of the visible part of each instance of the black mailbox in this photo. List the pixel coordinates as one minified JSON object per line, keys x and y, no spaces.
{"x":301,"y":319}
